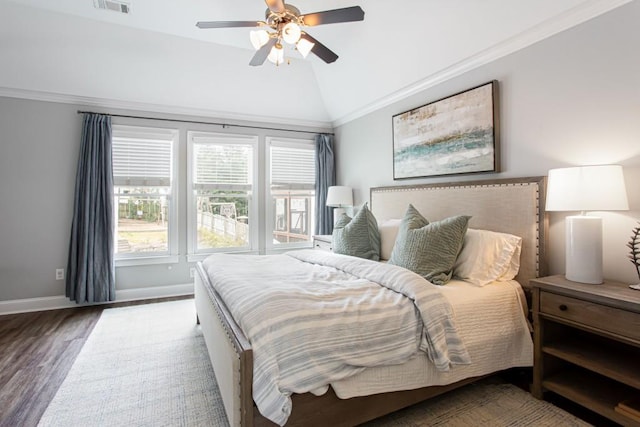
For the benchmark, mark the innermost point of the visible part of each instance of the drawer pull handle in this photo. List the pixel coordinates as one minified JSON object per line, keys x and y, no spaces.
{"x":563,"y":307}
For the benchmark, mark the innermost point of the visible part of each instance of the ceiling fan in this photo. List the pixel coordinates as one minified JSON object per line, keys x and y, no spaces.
{"x":282,"y":24}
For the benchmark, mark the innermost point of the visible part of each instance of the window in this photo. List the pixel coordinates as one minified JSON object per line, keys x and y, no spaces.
{"x":144,"y":191}
{"x":291,"y":198}
{"x":222,"y":208}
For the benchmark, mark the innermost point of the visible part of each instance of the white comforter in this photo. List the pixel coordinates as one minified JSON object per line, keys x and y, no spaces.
{"x":493,"y":327}
{"x":315,"y":317}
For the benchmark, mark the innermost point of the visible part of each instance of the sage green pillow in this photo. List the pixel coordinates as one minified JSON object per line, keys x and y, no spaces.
{"x":358,"y":236}
{"x":429,"y":249}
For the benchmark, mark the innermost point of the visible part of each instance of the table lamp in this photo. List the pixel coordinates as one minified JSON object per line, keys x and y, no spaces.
{"x":585,"y":188}
{"x":340,"y":197}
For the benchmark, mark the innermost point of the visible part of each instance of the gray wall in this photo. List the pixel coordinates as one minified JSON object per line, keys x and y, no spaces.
{"x":39,"y":145}
{"x":572,"y":99}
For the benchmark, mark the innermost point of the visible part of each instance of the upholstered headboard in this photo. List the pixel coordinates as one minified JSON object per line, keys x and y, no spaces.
{"x":513,"y":205}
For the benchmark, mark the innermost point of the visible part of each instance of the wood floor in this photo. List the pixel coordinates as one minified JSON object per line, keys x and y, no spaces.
{"x":38,"y":349}
{"x":36,"y":352}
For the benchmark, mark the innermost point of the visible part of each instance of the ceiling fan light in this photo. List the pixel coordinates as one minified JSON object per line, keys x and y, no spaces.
{"x":258,"y":38}
{"x":291,"y":33}
{"x":304,"y":46}
{"x":276,"y":55}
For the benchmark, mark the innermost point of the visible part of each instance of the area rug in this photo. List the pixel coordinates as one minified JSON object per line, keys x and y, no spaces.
{"x":487,"y":403}
{"x":143,"y":365}
{"x":147,"y":365}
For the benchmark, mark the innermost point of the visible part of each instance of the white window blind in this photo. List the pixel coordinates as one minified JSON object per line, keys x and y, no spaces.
{"x":222,"y":161}
{"x":292,"y":167}
{"x":143,"y":160}
{"x":223,"y":166}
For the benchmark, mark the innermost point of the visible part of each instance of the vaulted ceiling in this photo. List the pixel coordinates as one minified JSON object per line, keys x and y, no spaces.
{"x":155,"y":59}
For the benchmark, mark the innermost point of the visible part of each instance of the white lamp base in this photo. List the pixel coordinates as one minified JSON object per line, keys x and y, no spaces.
{"x":584,"y":249}
{"x":337,"y":213}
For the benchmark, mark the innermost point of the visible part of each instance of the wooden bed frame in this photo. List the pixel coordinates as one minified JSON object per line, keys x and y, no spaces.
{"x":514,"y":206}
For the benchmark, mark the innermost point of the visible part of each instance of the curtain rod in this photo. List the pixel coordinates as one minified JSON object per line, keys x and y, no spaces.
{"x":224,"y":125}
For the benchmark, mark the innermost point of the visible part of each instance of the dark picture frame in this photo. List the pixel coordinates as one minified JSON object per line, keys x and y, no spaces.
{"x":455,"y":135}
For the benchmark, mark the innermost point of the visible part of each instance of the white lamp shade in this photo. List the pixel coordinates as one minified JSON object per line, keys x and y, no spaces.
{"x":587,"y":188}
{"x":304,"y":46}
{"x":258,"y":38}
{"x":276,"y":55}
{"x":339,"y":196}
{"x":291,"y":33}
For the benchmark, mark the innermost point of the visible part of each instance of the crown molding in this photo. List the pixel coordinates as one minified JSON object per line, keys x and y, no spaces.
{"x":105,"y":103}
{"x":559,"y":23}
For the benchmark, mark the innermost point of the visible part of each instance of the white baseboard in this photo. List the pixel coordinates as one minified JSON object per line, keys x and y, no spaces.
{"x":58,"y":302}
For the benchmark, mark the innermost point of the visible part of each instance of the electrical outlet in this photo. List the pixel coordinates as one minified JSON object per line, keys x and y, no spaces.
{"x":59,"y":273}
{"x":192,"y":272}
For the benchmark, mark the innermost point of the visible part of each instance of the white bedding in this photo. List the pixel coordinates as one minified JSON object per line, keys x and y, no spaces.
{"x":492,"y":325}
{"x":315,"y":317}
{"x":489,"y":321}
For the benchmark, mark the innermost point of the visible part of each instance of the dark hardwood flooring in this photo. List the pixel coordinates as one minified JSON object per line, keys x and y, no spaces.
{"x":38,"y":349}
{"x":36,"y":352}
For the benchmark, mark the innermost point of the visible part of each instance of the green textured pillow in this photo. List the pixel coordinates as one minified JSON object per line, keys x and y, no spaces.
{"x":429,"y":249}
{"x":358,"y":236}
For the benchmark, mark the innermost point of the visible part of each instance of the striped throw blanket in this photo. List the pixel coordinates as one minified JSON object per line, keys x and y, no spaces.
{"x":315,"y":317}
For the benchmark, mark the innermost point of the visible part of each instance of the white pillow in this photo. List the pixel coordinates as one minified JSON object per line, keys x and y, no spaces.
{"x":388,"y":233}
{"x":488,"y":256}
{"x":514,"y":265}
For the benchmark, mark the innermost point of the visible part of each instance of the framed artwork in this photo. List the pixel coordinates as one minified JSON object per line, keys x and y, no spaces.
{"x":454,"y":135}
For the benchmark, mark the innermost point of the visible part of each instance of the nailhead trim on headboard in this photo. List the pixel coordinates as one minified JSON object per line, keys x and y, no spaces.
{"x":538,"y":215}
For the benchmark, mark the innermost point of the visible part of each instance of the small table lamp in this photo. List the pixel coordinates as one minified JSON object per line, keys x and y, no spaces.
{"x":339,"y":197}
{"x":585,"y":188}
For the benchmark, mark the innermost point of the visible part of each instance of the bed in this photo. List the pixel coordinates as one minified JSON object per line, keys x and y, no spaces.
{"x":514,"y":206}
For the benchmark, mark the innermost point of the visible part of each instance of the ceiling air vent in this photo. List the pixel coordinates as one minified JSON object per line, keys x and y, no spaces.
{"x":115,"y":5}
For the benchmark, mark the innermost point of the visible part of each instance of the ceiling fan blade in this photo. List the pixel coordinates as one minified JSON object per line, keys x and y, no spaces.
{"x":228,"y":24}
{"x":262,"y":53}
{"x":275,"y":6}
{"x":320,"y":50}
{"x":347,"y":14}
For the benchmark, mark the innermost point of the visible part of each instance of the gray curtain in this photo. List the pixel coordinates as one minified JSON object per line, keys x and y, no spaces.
{"x":90,"y":268}
{"x":325,"y":178}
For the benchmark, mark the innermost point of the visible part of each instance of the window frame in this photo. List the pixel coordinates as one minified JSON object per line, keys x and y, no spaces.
{"x":270,"y":214}
{"x":172,"y":253}
{"x":209,"y":137}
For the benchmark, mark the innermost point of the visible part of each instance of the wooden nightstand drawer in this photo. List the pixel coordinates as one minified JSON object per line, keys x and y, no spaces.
{"x":598,"y":316}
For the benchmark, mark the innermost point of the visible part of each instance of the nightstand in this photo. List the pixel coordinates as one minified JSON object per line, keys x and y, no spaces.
{"x":322,"y":242}
{"x":587,"y":344}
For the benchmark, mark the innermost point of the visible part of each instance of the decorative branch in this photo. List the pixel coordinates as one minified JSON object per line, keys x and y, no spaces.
{"x":634,"y":245}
